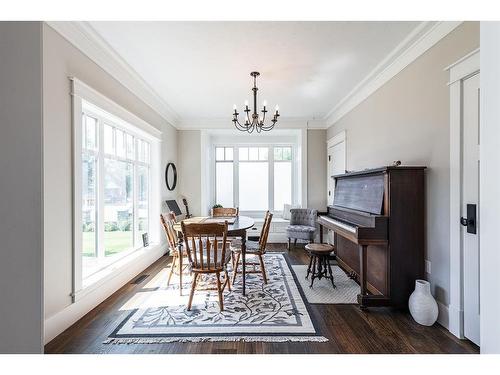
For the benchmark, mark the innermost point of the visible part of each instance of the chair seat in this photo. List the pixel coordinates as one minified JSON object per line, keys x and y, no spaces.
{"x":301,"y":232}
{"x":252,"y":246}
{"x":300,"y":229}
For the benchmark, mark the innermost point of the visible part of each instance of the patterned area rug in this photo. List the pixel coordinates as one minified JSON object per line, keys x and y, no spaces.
{"x":275,"y":312}
{"x":323,"y":292}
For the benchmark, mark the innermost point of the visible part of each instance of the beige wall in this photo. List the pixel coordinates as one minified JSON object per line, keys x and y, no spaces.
{"x":316,"y":169}
{"x":60,"y":61}
{"x":408,"y":119}
{"x":189,"y":171}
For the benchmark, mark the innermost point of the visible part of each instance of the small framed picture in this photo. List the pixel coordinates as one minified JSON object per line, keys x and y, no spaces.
{"x":145,"y":240}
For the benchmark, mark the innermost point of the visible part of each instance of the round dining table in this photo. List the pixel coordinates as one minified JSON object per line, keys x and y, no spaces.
{"x":236,"y":228}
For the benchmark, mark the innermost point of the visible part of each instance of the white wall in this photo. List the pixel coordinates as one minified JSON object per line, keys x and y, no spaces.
{"x":60,"y":61}
{"x":21,"y":229}
{"x":407,"y":119}
{"x":489,"y":218}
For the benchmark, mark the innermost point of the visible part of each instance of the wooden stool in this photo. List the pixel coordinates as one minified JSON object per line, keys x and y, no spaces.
{"x":319,"y":264}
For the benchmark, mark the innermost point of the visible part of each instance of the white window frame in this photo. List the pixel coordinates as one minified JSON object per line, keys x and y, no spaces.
{"x":85,"y":99}
{"x":236,"y":161}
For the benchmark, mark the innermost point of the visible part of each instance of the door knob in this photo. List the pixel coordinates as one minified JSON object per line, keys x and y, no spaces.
{"x":470,"y":220}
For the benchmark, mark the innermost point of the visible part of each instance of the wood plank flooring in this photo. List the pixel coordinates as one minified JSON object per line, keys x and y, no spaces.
{"x":349,"y":330}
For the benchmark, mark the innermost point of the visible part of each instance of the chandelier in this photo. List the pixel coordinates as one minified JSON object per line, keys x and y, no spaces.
{"x":254,"y":121}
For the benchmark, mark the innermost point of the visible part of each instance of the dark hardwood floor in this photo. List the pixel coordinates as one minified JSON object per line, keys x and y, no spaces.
{"x":349,"y":330}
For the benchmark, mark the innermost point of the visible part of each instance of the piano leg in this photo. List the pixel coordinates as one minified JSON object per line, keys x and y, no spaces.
{"x":362,"y":274}
{"x":320,"y":233}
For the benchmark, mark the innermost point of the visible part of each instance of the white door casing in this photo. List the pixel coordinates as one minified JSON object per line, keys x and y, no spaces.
{"x":336,"y":164}
{"x":459,"y":72}
{"x":470,"y":195}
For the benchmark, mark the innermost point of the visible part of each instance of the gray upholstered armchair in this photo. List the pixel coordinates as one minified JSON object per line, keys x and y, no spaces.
{"x":302,"y":225}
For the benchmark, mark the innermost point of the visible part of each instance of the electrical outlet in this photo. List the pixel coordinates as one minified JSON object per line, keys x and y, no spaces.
{"x":427,"y":266}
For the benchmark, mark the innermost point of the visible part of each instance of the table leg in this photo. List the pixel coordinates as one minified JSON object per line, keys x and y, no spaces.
{"x":180,"y":250}
{"x":243,"y":256}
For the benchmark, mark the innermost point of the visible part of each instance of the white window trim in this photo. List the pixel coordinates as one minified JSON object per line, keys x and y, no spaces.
{"x":270,"y":160}
{"x":103,"y":107}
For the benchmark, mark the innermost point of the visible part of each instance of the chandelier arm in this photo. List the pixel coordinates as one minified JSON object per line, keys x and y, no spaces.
{"x":267,"y":128}
{"x":248,"y":118}
{"x":239,"y":126}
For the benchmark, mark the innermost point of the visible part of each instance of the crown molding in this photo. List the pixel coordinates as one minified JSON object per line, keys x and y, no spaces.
{"x":88,"y":41}
{"x":423,"y":37}
{"x":226,"y":123}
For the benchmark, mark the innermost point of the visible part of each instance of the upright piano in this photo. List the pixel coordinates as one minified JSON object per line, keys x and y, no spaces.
{"x":377,"y":218}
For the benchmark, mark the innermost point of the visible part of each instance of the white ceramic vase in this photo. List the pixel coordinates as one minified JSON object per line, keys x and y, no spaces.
{"x":423,"y":306}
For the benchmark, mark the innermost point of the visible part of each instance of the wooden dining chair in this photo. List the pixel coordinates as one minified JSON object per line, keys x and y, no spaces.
{"x":225,"y":211}
{"x":179,"y":265}
{"x":256,"y":248}
{"x":207,"y":253}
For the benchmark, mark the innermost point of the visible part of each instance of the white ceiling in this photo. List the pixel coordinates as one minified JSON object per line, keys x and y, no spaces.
{"x":202,"y":68}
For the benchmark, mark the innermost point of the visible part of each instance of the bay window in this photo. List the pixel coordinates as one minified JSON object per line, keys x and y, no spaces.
{"x":254,"y":178}
{"x":115,"y":191}
{"x":116,"y":164}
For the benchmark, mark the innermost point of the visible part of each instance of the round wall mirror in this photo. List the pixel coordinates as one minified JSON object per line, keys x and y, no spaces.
{"x":171,"y":176}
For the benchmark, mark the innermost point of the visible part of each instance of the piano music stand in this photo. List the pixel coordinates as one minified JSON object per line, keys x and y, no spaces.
{"x":173,"y":206}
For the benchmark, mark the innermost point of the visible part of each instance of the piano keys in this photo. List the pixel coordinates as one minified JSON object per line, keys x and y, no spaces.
{"x":377,"y":218}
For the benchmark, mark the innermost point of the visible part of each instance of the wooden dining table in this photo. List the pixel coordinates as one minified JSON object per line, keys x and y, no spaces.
{"x":237,"y":227}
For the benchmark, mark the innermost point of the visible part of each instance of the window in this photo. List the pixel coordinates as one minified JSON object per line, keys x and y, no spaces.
{"x":256,"y":179}
{"x":253,"y":179}
{"x":224,"y":176}
{"x":115,"y":188}
{"x":282,"y":176}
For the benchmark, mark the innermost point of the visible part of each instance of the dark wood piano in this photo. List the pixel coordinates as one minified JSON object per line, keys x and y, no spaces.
{"x":377,"y":218}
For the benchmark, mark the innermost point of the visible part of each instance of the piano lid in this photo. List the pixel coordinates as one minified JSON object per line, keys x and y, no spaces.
{"x":360,"y":192}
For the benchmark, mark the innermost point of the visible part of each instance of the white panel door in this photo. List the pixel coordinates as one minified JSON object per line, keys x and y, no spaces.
{"x":336,"y":165}
{"x":470,"y":196}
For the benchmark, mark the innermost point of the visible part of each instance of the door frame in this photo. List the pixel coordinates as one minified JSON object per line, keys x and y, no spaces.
{"x":462,"y":69}
{"x":333,"y":141}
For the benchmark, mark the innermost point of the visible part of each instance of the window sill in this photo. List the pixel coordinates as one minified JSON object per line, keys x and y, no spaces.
{"x":99,"y":278}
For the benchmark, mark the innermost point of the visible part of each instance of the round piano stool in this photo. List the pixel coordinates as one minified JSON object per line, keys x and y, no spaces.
{"x":319,"y":262}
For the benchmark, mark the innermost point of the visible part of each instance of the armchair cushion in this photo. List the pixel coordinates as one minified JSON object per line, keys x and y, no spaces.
{"x":301,"y":232}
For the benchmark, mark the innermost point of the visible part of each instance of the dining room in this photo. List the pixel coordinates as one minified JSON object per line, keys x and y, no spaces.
{"x":197,"y":198}
{"x":263,"y":228}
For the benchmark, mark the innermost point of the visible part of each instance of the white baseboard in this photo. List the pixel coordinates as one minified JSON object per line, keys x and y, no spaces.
{"x":456,"y":321}
{"x":58,"y":323}
{"x":444,"y":315}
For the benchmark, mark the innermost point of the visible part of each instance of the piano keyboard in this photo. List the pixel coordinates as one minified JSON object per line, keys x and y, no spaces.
{"x":340,"y":224}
